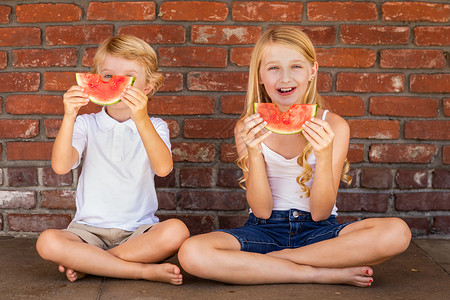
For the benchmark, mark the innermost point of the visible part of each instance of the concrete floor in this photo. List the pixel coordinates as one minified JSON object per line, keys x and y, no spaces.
{"x":422,"y":272}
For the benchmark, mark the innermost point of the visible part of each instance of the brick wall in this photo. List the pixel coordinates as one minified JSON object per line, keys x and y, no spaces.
{"x":384,"y":66}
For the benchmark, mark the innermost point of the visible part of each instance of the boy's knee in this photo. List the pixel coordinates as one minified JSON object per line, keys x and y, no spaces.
{"x":45,"y":244}
{"x":176,"y":232}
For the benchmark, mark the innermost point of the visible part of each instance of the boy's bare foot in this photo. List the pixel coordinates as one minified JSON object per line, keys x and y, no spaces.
{"x":357,"y":276}
{"x":163,"y":273}
{"x":71,"y":274}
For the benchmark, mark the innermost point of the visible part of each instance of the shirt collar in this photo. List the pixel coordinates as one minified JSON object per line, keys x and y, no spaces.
{"x":105,"y":122}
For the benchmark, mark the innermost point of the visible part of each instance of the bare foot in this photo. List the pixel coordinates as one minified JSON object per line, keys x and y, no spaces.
{"x":71,"y":274}
{"x":163,"y":273}
{"x":357,"y":276}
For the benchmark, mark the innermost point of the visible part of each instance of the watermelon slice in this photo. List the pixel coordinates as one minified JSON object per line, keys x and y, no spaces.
{"x":288,"y":122}
{"x":103,"y":92}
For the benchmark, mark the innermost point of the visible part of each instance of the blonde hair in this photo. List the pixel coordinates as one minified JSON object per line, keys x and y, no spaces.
{"x":298,"y":40}
{"x":131,"y":48}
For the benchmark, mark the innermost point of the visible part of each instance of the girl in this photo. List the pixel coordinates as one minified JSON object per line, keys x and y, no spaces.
{"x":291,"y":235}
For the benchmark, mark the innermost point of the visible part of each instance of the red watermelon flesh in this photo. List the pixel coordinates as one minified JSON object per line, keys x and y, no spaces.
{"x":288,"y":122}
{"x":103,"y":92}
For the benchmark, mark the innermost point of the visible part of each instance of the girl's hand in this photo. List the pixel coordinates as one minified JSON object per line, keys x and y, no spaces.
{"x":253,"y":133}
{"x":320,"y":135}
{"x":137,"y":101}
{"x":73,"y":100}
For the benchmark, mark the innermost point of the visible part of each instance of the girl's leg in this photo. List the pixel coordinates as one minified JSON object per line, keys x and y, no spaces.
{"x":367,"y":242}
{"x":217,"y":256}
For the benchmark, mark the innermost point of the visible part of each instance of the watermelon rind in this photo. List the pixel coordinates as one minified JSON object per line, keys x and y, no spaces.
{"x":103,"y":92}
{"x":288,"y":122}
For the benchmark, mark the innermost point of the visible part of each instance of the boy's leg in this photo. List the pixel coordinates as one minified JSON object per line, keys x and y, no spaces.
{"x":68,"y":250}
{"x":217,"y":256}
{"x":367,"y":242}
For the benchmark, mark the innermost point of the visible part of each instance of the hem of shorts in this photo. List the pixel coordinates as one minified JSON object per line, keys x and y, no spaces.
{"x":231,"y":233}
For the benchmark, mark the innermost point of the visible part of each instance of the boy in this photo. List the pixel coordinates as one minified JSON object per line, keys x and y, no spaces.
{"x":114,"y":232}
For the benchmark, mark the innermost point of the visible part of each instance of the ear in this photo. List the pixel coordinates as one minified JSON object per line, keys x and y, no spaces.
{"x":314,"y":70}
{"x":149,"y":88}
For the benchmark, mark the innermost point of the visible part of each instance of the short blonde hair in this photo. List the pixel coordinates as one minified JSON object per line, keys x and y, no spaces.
{"x":132,"y":48}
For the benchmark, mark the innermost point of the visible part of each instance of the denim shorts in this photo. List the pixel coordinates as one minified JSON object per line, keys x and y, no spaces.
{"x":284,"y":229}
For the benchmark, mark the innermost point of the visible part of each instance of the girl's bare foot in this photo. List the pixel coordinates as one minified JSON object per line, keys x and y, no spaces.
{"x":357,"y":276}
{"x":71,"y":274}
{"x":163,"y":273}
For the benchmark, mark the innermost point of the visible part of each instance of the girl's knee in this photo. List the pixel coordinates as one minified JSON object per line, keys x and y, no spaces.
{"x":397,"y":235}
{"x":191,"y":254}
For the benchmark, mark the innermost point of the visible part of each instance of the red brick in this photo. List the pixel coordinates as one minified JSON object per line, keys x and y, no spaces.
{"x":22,"y":177}
{"x":34,"y":104}
{"x":121,"y":11}
{"x":446,"y":105}
{"x":50,"y":178}
{"x":402,"y":153}
{"x":346,"y":57}
{"x":224,"y":35}
{"x":77,"y":35}
{"x":88,"y":57}
{"x":342,"y":11}
{"x":411,"y":179}
{"x":18,"y":128}
{"x":3,"y":59}
{"x":321,"y":35}
{"x":209,"y":128}
{"x":196,"y":177}
{"x":418,"y":226}
{"x":241,"y":56}
{"x":174,"y":128}
{"x":39,"y":58}
{"x":166,"y":181}
{"x":346,"y":219}
{"x":370,"y":82}
{"x":267,"y":11}
{"x":59,"y":81}
{"x":196,"y":224}
{"x":52,"y":127}
{"x":362,"y":202}
{"x":376,"y":178}
{"x":230,"y":222}
{"x":37,"y":222}
{"x":229,"y":177}
{"x":58,"y":199}
{"x":374,"y":35}
{"x":352,"y":173}
{"x":355,"y":153}
{"x":430,"y":83}
{"x":441,"y":224}
{"x":427,"y":130}
{"x":432,"y":36}
{"x":1,"y":171}
{"x":223,"y":200}
{"x":5,"y":12}
{"x":17,"y":199}
{"x":415,"y":11}
{"x":48,"y":12}
{"x":29,"y":150}
{"x":403,"y":106}
{"x":324,"y":82}
{"x":157,"y":34}
{"x":232,"y":104}
{"x":193,"y":152}
{"x":19,"y":82}
{"x":441,"y":179}
{"x":173,"y":82}
{"x":181,"y":105}
{"x":422,"y":201}
{"x":228,"y":153}
{"x":193,"y":11}
{"x":1,"y":222}
{"x":217,"y":81}
{"x":412,"y":59}
{"x":167,"y":200}
{"x":20,"y":36}
{"x":208,"y":57}
{"x":345,"y":105}
{"x":374,"y":129}
{"x":446,"y":155}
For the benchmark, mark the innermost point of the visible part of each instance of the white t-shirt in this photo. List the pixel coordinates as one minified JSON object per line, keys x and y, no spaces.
{"x":116,"y":187}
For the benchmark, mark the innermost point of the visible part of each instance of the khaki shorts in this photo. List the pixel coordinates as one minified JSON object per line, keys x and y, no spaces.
{"x":105,"y":238}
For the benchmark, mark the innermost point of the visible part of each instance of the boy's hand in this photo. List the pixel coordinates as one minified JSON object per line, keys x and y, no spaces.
{"x":74,"y":99}
{"x":137,"y":101}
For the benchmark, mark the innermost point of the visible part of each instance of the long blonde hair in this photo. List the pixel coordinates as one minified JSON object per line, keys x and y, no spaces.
{"x":256,"y":93}
{"x":135,"y":49}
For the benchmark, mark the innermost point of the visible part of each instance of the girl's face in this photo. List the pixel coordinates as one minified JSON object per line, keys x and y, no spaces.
{"x":285,"y":74}
{"x":116,"y":65}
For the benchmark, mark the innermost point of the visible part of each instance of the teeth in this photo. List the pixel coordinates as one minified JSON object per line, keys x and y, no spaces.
{"x":286,"y":90}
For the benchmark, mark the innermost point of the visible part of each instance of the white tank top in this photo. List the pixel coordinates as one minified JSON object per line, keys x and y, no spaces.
{"x":282,"y":174}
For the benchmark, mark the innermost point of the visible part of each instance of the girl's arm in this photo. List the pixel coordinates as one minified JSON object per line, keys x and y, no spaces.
{"x":64,"y":156}
{"x":157,"y":151}
{"x":330,"y":141}
{"x":248,"y":137}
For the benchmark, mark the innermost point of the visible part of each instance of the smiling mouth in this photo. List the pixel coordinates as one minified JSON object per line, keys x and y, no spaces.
{"x":285,"y":90}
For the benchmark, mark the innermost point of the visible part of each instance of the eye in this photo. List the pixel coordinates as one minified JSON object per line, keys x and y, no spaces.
{"x":107,"y":76}
{"x":296,"y":66}
{"x":273,"y":68}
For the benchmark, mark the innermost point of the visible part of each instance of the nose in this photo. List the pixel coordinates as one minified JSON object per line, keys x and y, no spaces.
{"x":285,"y":76}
